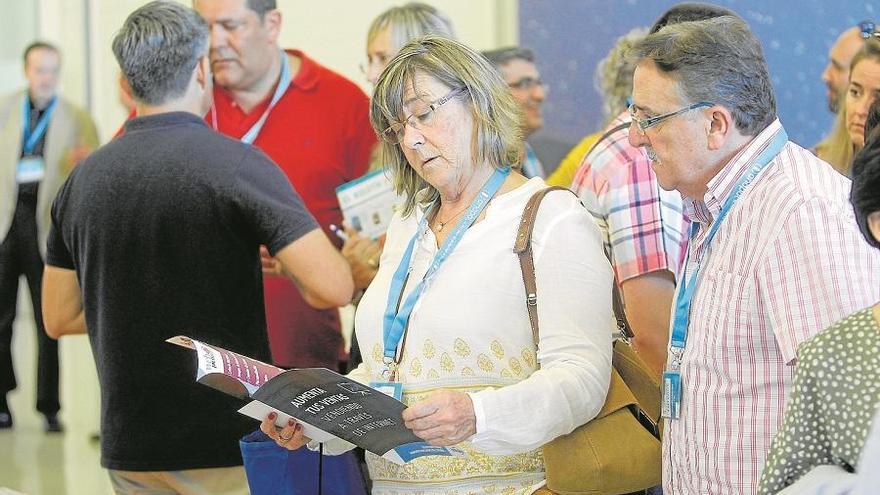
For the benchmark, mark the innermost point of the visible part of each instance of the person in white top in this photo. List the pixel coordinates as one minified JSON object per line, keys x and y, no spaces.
{"x":465,"y":358}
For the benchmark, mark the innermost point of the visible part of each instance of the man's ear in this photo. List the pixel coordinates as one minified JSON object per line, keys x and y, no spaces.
{"x":203,"y":71}
{"x":874,"y":224}
{"x":272,"y":24}
{"x":721,"y":124}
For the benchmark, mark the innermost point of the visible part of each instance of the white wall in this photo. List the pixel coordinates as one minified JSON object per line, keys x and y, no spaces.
{"x":13,"y":38}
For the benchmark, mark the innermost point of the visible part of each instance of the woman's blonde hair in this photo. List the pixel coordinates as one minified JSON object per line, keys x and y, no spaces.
{"x":613,"y":78}
{"x":838,"y":148}
{"x":497,"y":138}
{"x":409,"y":21}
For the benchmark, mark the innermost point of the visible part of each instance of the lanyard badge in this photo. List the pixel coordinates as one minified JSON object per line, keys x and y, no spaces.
{"x":672,"y":382}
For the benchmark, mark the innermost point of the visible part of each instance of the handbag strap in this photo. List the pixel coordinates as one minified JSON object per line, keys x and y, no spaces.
{"x":523,"y":248}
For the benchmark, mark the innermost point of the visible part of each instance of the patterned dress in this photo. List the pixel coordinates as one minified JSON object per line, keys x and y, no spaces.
{"x":835,"y":396}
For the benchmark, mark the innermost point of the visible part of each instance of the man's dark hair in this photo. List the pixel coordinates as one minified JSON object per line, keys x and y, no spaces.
{"x":502,"y":56}
{"x":261,"y":6}
{"x":157,"y":49}
{"x":690,"y":11}
{"x":38,"y":45}
{"x":872,"y":120}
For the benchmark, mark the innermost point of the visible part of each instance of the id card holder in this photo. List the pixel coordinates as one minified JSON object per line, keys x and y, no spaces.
{"x":670,"y":406}
{"x":391,"y":389}
{"x":30,"y":169}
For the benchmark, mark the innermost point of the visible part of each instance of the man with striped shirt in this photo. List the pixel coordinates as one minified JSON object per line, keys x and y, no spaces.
{"x":775,"y":255}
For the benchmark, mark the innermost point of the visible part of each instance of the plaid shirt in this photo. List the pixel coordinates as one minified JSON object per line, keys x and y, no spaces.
{"x":642,"y":225}
{"x":788,"y":261}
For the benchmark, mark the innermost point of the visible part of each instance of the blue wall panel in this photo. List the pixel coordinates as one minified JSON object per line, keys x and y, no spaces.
{"x":569,"y":38}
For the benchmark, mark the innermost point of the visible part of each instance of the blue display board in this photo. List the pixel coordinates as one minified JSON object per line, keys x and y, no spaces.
{"x":569,"y":38}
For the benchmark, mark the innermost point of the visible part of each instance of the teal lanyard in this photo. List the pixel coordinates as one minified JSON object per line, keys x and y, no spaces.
{"x":686,"y":291}
{"x":32,"y":137}
{"x":395,"y":320}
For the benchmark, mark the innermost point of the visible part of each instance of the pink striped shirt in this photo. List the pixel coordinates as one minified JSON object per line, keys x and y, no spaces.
{"x":788,"y":261}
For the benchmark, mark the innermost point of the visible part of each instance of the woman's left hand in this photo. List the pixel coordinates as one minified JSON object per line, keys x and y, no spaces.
{"x":445,"y":418}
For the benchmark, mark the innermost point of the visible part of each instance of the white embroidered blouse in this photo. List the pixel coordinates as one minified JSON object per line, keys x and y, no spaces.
{"x":470,"y":331}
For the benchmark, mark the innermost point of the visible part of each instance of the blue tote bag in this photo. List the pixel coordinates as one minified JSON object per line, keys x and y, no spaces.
{"x":273,"y":470}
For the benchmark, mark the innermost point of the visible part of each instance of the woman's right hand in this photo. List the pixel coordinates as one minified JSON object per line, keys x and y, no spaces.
{"x":362,"y":254}
{"x":290,"y":437}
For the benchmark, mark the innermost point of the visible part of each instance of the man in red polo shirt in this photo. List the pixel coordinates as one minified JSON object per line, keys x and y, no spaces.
{"x":312,"y":122}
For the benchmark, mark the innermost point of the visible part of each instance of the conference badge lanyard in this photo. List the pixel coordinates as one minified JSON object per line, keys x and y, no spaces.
{"x":33,"y":168}
{"x":396,"y":314}
{"x":283,"y":83}
{"x":670,"y":407}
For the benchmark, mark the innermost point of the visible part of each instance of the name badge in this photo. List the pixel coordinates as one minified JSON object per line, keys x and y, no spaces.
{"x":670,"y":406}
{"x":391,"y":389}
{"x":30,"y":169}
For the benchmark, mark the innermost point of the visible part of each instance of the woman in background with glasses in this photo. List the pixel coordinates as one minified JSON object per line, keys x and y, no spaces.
{"x":445,"y":317}
{"x":848,"y":136}
{"x":388,"y":32}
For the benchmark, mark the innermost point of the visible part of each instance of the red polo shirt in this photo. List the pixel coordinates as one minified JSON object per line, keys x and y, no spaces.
{"x":319,"y":134}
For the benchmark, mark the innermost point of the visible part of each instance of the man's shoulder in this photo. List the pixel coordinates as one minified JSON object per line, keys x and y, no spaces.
{"x":858,"y":330}
{"x":8,"y":101}
{"x":802,"y":176}
{"x":612,"y":152}
{"x":327,"y":80}
{"x":11,"y":96}
{"x":216,"y":150}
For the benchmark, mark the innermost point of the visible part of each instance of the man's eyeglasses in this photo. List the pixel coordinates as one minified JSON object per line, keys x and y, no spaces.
{"x":868,"y":29}
{"x":528,"y":84}
{"x":422,"y":115}
{"x":644,"y":124}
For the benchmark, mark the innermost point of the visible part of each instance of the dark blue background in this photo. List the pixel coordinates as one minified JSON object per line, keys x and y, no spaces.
{"x":569,"y":38}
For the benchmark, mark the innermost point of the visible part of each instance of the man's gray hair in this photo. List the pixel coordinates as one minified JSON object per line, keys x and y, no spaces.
{"x":502,"y":56}
{"x":717,"y":60}
{"x":261,"y":6}
{"x":157,"y":49}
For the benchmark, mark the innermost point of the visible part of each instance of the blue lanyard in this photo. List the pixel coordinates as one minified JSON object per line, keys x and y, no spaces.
{"x":396,"y":319}
{"x":283,"y":83}
{"x":530,"y":167}
{"x":31,"y":138}
{"x":686,"y":292}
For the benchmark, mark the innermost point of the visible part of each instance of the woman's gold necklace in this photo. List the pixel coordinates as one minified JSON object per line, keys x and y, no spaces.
{"x":441,"y":223}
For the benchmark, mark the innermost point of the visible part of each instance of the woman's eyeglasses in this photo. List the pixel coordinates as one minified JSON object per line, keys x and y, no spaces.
{"x":422,"y":115}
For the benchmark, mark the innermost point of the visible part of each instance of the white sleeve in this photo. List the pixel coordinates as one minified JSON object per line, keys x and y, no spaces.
{"x":834,"y":480}
{"x":576,"y":322}
{"x":822,"y":480}
{"x":338,"y":446}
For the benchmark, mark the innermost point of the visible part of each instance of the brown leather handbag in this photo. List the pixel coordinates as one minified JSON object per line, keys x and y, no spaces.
{"x":618,"y":451}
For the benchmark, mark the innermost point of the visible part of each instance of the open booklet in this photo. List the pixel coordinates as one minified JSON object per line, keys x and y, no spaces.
{"x":326,"y":403}
{"x":368,"y":203}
